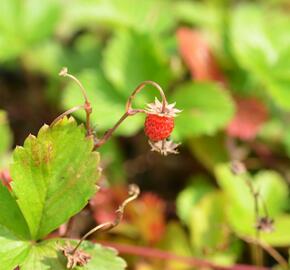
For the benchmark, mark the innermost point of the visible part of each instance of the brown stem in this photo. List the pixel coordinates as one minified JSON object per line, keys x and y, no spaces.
{"x":87,"y":105}
{"x":130,"y":111}
{"x":257,"y":249}
{"x":165,"y":255}
{"x":134,"y":192}
{"x":140,"y":87}
{"x":270,"y":250}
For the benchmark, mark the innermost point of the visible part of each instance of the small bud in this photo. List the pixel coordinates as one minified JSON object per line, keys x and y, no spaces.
{"x":238,"y":167}
{"x":265,"y":224}
{"x":63,"y":72}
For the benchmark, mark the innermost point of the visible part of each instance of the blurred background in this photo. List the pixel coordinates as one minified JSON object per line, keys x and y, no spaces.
{"x":226,"y":64}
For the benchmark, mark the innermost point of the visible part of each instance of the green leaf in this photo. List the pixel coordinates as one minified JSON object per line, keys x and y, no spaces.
{"x":54,"y":175}
{"x":206,"y":109}
{"x":261,"y":46}
{"x":209,"y":150}
{"x":206,"y":221}
{"x":131,"y":58}
{"x":51,"y":56}
{"x":11,"y":217}
{"x":5,"y":133}
{"x":240,"y":202}
{"x":273,"y":189}
{"x":21,"y":26}
{"x":145,"y":16}
{"x":280,"y":236}
{"x":46,"y":255}
{"x":12,"y":251}
{"x":208,"y":235}
{"x":108,"y":105}
{"x":190,"y":196}
{"x":176,"y":241}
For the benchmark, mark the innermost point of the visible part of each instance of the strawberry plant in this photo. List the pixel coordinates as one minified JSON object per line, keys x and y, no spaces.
{"x":54,"y":175}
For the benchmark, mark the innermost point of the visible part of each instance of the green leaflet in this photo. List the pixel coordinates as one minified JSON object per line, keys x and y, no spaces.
{"x":11,"y":217}
{"x":206,"y":108}
{"x":54,"y":175}
{"x":47,"y":255}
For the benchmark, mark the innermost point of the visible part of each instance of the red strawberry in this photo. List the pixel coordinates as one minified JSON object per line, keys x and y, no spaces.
{"x":158,"y":127}
{"x":159,"y":124}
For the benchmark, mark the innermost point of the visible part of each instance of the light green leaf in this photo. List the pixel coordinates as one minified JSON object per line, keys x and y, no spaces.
{"x":131,"y":58}
{"x":144,"y":16}
{"x":206,"y":109}
{"x":24,"y":23}
{"x":54,"y":175}
{"x":12,"y":250}
{"x":209,"y":236}
{"x":51,"y":56}
{"x":11,"y":217}
{"x":273,"y":189}
{"x":206,"y":222}
{"x":5,"y":133}
{"x":46,"y":255}
{"x":280,"y":236}
{"x":240,"y":202}
{"x":190,"y":196}
{"x":261,"y":47}
{"x":108,"y":105}
{"x":176,"y":241}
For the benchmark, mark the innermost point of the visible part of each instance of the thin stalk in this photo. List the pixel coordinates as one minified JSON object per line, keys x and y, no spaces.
{"x":270,"y":250}
{"x":129,"y":111}
{"x":134,"y":192}
{"x":140,"y":87}
{"x":70,"y":111}
{"x":87,"y":105}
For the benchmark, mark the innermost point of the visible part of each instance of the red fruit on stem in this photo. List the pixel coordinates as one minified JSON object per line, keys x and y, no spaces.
{"x":157,"y":127}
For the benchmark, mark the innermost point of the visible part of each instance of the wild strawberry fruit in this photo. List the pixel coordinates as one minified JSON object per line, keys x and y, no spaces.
{"x":159,"y":125}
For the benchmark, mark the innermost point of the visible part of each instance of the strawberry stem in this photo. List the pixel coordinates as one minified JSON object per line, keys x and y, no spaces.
{"x":140,"y":87}
{"x":87,"y":105}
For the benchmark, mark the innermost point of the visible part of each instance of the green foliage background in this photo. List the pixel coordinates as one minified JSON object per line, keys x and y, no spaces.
{"x":112,"y":46}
